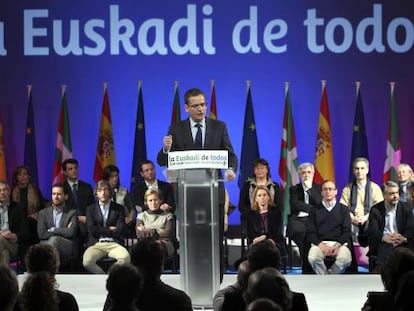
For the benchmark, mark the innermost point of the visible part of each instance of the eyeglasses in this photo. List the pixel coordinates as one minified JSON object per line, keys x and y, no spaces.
{"x":196,"y":106}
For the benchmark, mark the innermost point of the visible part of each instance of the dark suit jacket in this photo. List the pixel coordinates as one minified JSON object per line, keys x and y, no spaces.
{"x":17,"y":224}
{"x":216,"y":138}
{"x":165,"y":188}
{"x":94,"y":221}
{"x":68,"y":224}
{"x":85,"y":195}
{"x":376,"y":224}
{"x":297,"y":198}
{"x":297,"y":204}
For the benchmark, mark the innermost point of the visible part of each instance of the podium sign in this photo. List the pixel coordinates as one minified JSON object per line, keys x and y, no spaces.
{"x":213,"y":159}
{"x":199,"y":221}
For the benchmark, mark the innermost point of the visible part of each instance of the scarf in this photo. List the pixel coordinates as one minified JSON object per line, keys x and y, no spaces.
{"x":367,"y":199}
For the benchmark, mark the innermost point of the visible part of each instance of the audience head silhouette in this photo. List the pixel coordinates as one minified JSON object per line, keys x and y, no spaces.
{"x":9,"y":288}
{"x":148,"y":256}
{"x":263,"y":304}
{"x":269,"y":283}
{"x":404,"y":297}
{"x":42,"y":257}
{"x":400,"y":261}
{"x":263,"y":254}
{"x":124,"y":285}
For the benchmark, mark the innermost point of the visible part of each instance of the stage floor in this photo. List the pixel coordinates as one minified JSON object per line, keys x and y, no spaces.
{"x":323,"y":293}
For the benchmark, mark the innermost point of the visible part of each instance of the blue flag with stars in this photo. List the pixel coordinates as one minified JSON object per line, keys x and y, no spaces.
{"x":250,"y":149}
{"x":140,"y":144}
{"x":359,"y":134}
{"x":30,"y":155}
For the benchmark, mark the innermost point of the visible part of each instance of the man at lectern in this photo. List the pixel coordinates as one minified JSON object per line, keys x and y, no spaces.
{"x":200,"y":132}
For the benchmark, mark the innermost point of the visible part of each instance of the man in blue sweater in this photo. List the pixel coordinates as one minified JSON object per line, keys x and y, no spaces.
{"x":328,"y":232}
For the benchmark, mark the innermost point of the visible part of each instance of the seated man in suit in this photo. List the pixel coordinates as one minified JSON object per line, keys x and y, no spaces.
{"x":390,"y":225}
{"x":329,"y":231}
{"x":13,"y":232}
{"x":57,"y":224}
{"x":106,"y":226}
{"x":147,"y":171}
{"x":80,"y":195}
{"x":303,"y":197}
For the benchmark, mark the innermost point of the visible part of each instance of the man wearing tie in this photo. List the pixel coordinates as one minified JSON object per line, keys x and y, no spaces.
{"x":199,"y":132}
{"x":57,"y":224}
{"x":303,"y":197}
{"x":80,"y":195}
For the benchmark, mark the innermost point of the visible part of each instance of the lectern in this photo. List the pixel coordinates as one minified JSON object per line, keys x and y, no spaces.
{"x":196,"y":174}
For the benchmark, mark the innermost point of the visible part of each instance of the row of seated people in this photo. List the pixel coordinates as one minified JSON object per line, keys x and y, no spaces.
{"x":64,"y":222}
{"x":360,"y":216}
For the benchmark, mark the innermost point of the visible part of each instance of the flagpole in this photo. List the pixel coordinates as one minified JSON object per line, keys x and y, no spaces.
{"x":248,"y":83}
{"x":29,"y":90}
{"x":211,"y":84}
{"x":323,"y":84}
{"x":139,"y":84}
{"x":175,"y":85}
{"x":358,"y":86}
{"x":392,"y":86}
{"x":286,"y":87}
{"x":63,"y":88}
{"x":105,"y":86}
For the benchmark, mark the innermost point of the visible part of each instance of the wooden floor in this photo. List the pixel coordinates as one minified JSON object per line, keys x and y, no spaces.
{"x":323,"y":293}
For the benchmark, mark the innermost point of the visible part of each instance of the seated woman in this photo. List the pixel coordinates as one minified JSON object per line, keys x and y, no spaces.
{"x":156,"y":222}
{"x":264,"y":220}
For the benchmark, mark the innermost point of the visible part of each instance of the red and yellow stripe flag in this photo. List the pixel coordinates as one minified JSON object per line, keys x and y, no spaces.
{"x":3,"y":171}
{"x":324,"y":158}
{"x":105,"y":151}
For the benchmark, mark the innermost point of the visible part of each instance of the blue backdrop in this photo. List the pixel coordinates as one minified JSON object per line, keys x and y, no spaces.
{"x":85,"y":43}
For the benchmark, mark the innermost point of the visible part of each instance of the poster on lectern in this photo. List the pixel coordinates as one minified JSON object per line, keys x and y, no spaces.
{"x":213,"y":159}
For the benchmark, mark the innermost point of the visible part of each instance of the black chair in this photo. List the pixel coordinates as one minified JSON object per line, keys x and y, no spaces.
{"x":106,"y":263}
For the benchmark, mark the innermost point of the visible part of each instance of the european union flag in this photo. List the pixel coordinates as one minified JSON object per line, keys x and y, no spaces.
{"x":140,"y":145}
{"x":250,"y":149}
{"x":359,"y":134}
{"x":30,"y":155}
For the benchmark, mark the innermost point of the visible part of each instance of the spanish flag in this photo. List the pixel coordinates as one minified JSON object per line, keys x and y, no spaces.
{"x":105,"y":151}
{"x":324,"y":158}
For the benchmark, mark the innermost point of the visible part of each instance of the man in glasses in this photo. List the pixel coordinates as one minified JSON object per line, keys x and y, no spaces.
{"x":329,"y":232}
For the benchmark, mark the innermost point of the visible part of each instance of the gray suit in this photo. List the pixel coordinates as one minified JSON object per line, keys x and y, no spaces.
{"x":61,"y":238}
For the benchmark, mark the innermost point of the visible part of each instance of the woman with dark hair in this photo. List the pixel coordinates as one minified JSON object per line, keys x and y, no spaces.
{"x":40,"y":293}
{"x":29,"y":197}
{"x":261,"y":177}
{"x":120,"y":193}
